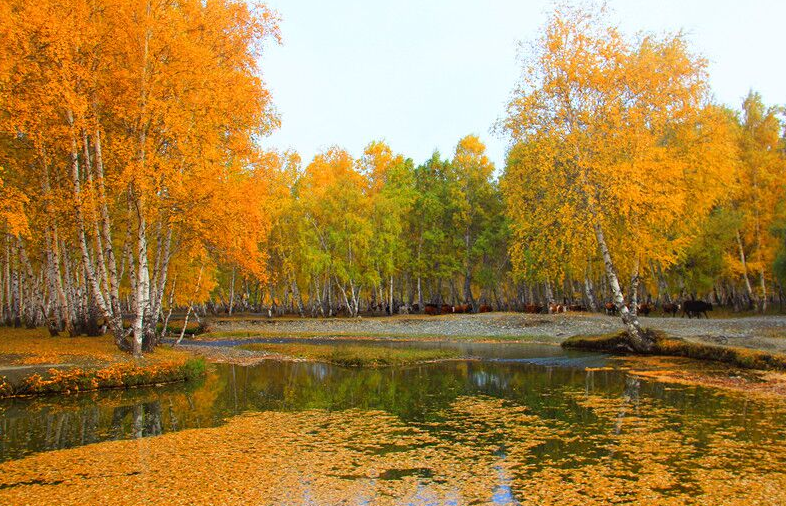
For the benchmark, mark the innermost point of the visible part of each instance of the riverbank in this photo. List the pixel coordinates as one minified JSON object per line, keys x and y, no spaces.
{"x":744,"y":358}
{"x":749,"y":346}
{"x":33,"y":363}
{"x":766,"y":333}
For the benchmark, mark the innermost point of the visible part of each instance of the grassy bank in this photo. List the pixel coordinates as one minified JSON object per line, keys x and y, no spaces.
{"x":32,"y":363}
{"x":666,"y":346}
{"x":355,"y":356}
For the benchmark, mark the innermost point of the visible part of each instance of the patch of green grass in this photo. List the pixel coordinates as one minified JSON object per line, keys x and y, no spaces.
{"x":739,"y":357}
{"x":356,"y":355}
{"x":615,"y":342}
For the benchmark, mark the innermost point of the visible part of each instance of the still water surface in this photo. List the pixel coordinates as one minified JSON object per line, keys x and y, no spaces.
{"x":533,"y":406}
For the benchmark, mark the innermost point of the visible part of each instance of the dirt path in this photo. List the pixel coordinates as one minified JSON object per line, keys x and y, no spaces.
{"x":761,"y":332}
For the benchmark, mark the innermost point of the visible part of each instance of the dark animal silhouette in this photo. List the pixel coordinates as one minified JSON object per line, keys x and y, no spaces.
{"x":671,"y":309}
{"x":696,"y":308}
{"x":462,"y":308}
{"x":644,"y":309}
{"x":446,"y":309}
{"x":611,"y":308}
{"x":485,"y":308}
{"x":431,"y":309}
{"x":533,"y":308}
{"x":577,"y":307}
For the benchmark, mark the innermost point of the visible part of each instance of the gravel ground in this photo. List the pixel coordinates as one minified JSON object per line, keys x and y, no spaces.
{"x":232,"y":355}
{"x":761,"y":332}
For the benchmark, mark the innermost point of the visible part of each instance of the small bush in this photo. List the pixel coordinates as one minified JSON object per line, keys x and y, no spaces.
{"x":194,"y":368}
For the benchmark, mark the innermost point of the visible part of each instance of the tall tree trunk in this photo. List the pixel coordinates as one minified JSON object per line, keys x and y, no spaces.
{"x":116,"y":322}
{"x":51,"y":244}
{"x":589,"y":291}
{"x":232,"y":292}
{"x":171,"y":304}
{"x":142,"y":289}
{"x":391,"y":296}
{"x":762,"y":305}
{"x":745,"y":278}
{"x":151,"y":337}
{"x":298,"y":297}
{"x":87,"y":263}
{"x":191,"y":304}
{"x":549,"y":295}
{"x":638,"y":340}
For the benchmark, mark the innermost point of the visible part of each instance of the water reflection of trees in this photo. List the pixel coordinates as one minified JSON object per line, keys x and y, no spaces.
{"x":418,"y":394}
{"x":51,"y":423}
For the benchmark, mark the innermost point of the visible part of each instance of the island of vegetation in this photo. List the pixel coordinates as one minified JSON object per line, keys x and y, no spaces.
{"x":369,"y":355}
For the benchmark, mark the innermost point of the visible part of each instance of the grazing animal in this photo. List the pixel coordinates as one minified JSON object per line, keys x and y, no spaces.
{"x":415,"y":308}
{"x":577,"y":307}
{"x":556,"y":308}
{"x":696,"y":308}
{"x":447,"y":309}
{"x":462,"y":308}
{"x":533,"y":308}
{"x":431,"y":309}
{"x":671,"y":309}
{"x":611,"y":308}
{"x":644,"y":309}
{"x":485,"y":308}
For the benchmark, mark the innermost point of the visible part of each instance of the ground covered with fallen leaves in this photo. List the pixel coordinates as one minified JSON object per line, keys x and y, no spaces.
{"x":31,"y":362}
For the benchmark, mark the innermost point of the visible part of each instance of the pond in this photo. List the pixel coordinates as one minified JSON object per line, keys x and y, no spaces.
{"x":516,"y":424}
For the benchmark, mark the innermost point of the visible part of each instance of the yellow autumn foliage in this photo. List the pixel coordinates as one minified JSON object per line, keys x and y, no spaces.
{"x":611,"y":132}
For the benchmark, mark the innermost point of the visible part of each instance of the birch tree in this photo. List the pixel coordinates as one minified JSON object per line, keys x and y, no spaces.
{"x":616,"y":150}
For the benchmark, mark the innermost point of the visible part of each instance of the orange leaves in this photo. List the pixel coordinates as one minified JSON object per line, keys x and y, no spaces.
{"x":615,"y":449}
{"x":87,"y":363}
{"x":13,"y":216}
{"x":73,"y":380}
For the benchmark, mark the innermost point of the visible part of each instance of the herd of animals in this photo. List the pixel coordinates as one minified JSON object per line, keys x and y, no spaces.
{"x":689,"y":308}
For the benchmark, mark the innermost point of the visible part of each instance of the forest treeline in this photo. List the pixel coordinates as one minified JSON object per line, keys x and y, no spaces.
{"x":135,"y":182}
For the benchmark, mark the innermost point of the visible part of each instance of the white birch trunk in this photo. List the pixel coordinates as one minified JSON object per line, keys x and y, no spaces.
{"x":638,"y":341}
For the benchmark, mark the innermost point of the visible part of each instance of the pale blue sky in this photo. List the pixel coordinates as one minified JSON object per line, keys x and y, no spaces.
{"x":422,"y":74}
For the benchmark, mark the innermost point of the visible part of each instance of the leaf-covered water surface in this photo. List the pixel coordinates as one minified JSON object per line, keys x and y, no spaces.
{"x":450,"y":433}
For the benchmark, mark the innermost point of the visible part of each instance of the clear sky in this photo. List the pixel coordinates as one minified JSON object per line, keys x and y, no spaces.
{"x":421,"y":74}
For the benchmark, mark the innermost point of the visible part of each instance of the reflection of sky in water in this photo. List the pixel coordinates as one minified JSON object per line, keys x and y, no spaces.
{"x":503,"y":493}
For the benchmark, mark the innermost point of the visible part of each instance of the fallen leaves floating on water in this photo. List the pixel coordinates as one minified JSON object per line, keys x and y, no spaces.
{"x":480,"y":450}
{"x":690,"y":372}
